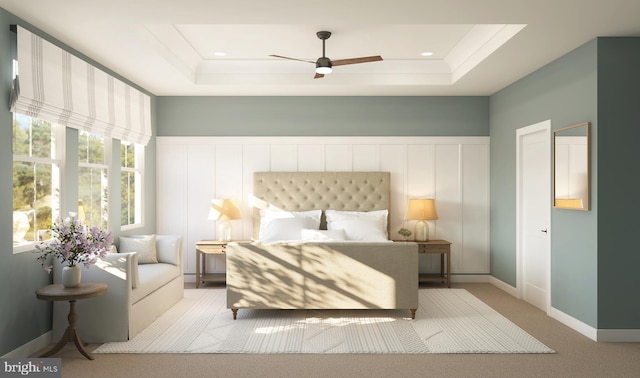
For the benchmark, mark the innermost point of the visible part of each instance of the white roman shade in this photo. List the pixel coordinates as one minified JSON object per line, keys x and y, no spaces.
{"x":61,"y":88}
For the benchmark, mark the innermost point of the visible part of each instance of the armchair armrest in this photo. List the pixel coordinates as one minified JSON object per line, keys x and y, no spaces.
{"x":115,"y":269}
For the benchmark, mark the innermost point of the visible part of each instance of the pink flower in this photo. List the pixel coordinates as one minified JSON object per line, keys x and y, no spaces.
{"x":74,"y":243}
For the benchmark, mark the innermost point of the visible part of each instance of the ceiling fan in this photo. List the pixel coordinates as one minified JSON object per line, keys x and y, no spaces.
{"x":324,"y":65}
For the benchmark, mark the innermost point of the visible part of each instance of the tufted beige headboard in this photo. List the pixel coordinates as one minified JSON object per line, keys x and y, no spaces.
{"x":300,"y":191}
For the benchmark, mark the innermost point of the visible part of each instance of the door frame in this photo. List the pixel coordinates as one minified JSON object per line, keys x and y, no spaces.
{"x":544,"y":126}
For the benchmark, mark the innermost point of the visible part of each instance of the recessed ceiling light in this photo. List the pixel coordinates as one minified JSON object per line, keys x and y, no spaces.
{"x":426,"y":53}
{"x":220,"y":53}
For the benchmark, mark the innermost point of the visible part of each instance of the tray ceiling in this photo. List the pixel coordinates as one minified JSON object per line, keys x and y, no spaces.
{"x":174,"y":48}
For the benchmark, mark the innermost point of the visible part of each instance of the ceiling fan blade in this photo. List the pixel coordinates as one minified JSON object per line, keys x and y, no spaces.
{"x":286,"y":57}
{"x":366,"y":59}
{"x":318,"y":76}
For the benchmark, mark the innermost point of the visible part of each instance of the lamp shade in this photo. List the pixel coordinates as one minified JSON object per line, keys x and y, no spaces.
{"x":224,"y":209}
{"x":421,"y":209}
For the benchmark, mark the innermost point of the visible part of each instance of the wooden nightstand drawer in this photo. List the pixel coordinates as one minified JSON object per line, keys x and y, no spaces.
{"x":211,"y":248}
{"x":433,"y":248}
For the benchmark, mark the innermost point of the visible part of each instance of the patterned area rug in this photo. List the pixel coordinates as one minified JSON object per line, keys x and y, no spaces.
{"x":448,"y":321}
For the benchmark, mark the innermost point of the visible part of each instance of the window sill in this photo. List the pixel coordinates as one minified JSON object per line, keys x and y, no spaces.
{"x":130,"y":227}
{"x":24,"y":247}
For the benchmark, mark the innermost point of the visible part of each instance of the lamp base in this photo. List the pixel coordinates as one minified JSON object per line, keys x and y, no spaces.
{"x":224,"y":231}
{"x":422,"y":231}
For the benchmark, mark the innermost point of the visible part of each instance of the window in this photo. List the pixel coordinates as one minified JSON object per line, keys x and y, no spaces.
{"x":37,"y":147}
{"x":131,"y":160}
{"x":93,"y":180}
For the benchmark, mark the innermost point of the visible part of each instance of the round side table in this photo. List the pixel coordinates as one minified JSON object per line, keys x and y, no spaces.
{"x":57,"y":292}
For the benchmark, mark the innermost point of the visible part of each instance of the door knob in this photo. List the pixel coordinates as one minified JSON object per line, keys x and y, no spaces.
{"x":545,"y":230}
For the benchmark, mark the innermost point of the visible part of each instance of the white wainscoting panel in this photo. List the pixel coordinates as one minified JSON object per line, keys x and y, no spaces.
{"x":171,"y":208}
{"x":338,"y":157}
{"x":453,"y":170}
{"x":201,"y":163}
{"x":474,"y":214}
{"x":311,"y":158}
{"x":366,"y":157}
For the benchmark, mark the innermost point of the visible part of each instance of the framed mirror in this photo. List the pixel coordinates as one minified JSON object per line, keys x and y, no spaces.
{"x":572,"y":167}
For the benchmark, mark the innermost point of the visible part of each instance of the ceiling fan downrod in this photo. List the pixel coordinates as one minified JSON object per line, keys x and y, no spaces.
{"x":323,"y":64}
{"x":323,"y":35}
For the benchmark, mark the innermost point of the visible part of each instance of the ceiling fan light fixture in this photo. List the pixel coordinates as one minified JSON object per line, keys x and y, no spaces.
{"x":323,"y":70}
{"x":323,"y":65}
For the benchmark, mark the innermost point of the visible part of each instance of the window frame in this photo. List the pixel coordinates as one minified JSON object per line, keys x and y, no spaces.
{"x":58,"y":133}
{"x":138,"y":170}
{"x":106,"y":165}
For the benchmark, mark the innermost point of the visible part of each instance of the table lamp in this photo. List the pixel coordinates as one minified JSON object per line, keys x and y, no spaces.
{"x":421,"y":209}
{"x":224,"y":210}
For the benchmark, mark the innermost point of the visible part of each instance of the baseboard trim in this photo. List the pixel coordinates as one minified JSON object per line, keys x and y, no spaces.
{"x":31,"y":347}
{"x":554,"y":313}
{"x":599,"y":335}
{"x":619,"y":335}
{"x":574,"y":323}
{"x":470,"y":278}
{"x":504,"y":286}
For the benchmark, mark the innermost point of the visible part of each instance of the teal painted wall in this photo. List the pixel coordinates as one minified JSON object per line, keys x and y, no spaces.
{"x":564,"y":91}
{"x":619,"y":159}
{"x":323,"y":116}
{"x":23,"y":317}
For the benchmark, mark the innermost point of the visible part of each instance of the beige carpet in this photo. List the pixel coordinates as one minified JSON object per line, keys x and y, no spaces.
{"x":447,"y":321}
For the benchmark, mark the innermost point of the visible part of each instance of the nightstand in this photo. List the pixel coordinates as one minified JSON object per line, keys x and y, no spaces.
{"x":204,"y":248}
{"x":441,"y":247}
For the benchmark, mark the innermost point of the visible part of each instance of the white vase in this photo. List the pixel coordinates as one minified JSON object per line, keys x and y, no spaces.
{"x":71,"y":276}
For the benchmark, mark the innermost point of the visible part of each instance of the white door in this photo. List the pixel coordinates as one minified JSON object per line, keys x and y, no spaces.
{"x":533,"y":213}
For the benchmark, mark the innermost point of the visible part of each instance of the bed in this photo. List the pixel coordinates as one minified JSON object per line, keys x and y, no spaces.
{"x":321,"y":242}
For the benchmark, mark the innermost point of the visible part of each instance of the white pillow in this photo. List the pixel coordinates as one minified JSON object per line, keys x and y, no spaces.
{"x":375,"y":215}
{"x":323,"y":235}
{"x":144,"y":245}
{"x":360,"y":225}
{"x":268,"y":216}
{"x":281,"y":229}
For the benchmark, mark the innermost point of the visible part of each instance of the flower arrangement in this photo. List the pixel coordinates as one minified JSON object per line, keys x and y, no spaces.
{"x":404,"y":232}
{"x":74,"y":243}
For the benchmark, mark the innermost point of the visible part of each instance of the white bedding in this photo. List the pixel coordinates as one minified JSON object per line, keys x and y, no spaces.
{"x":363,"y":226}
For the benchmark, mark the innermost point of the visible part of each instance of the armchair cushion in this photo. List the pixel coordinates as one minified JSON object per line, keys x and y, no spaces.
{"x":152,"y":277}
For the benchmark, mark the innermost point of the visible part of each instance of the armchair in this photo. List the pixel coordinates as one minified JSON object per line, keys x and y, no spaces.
{"x":137,"y":293}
